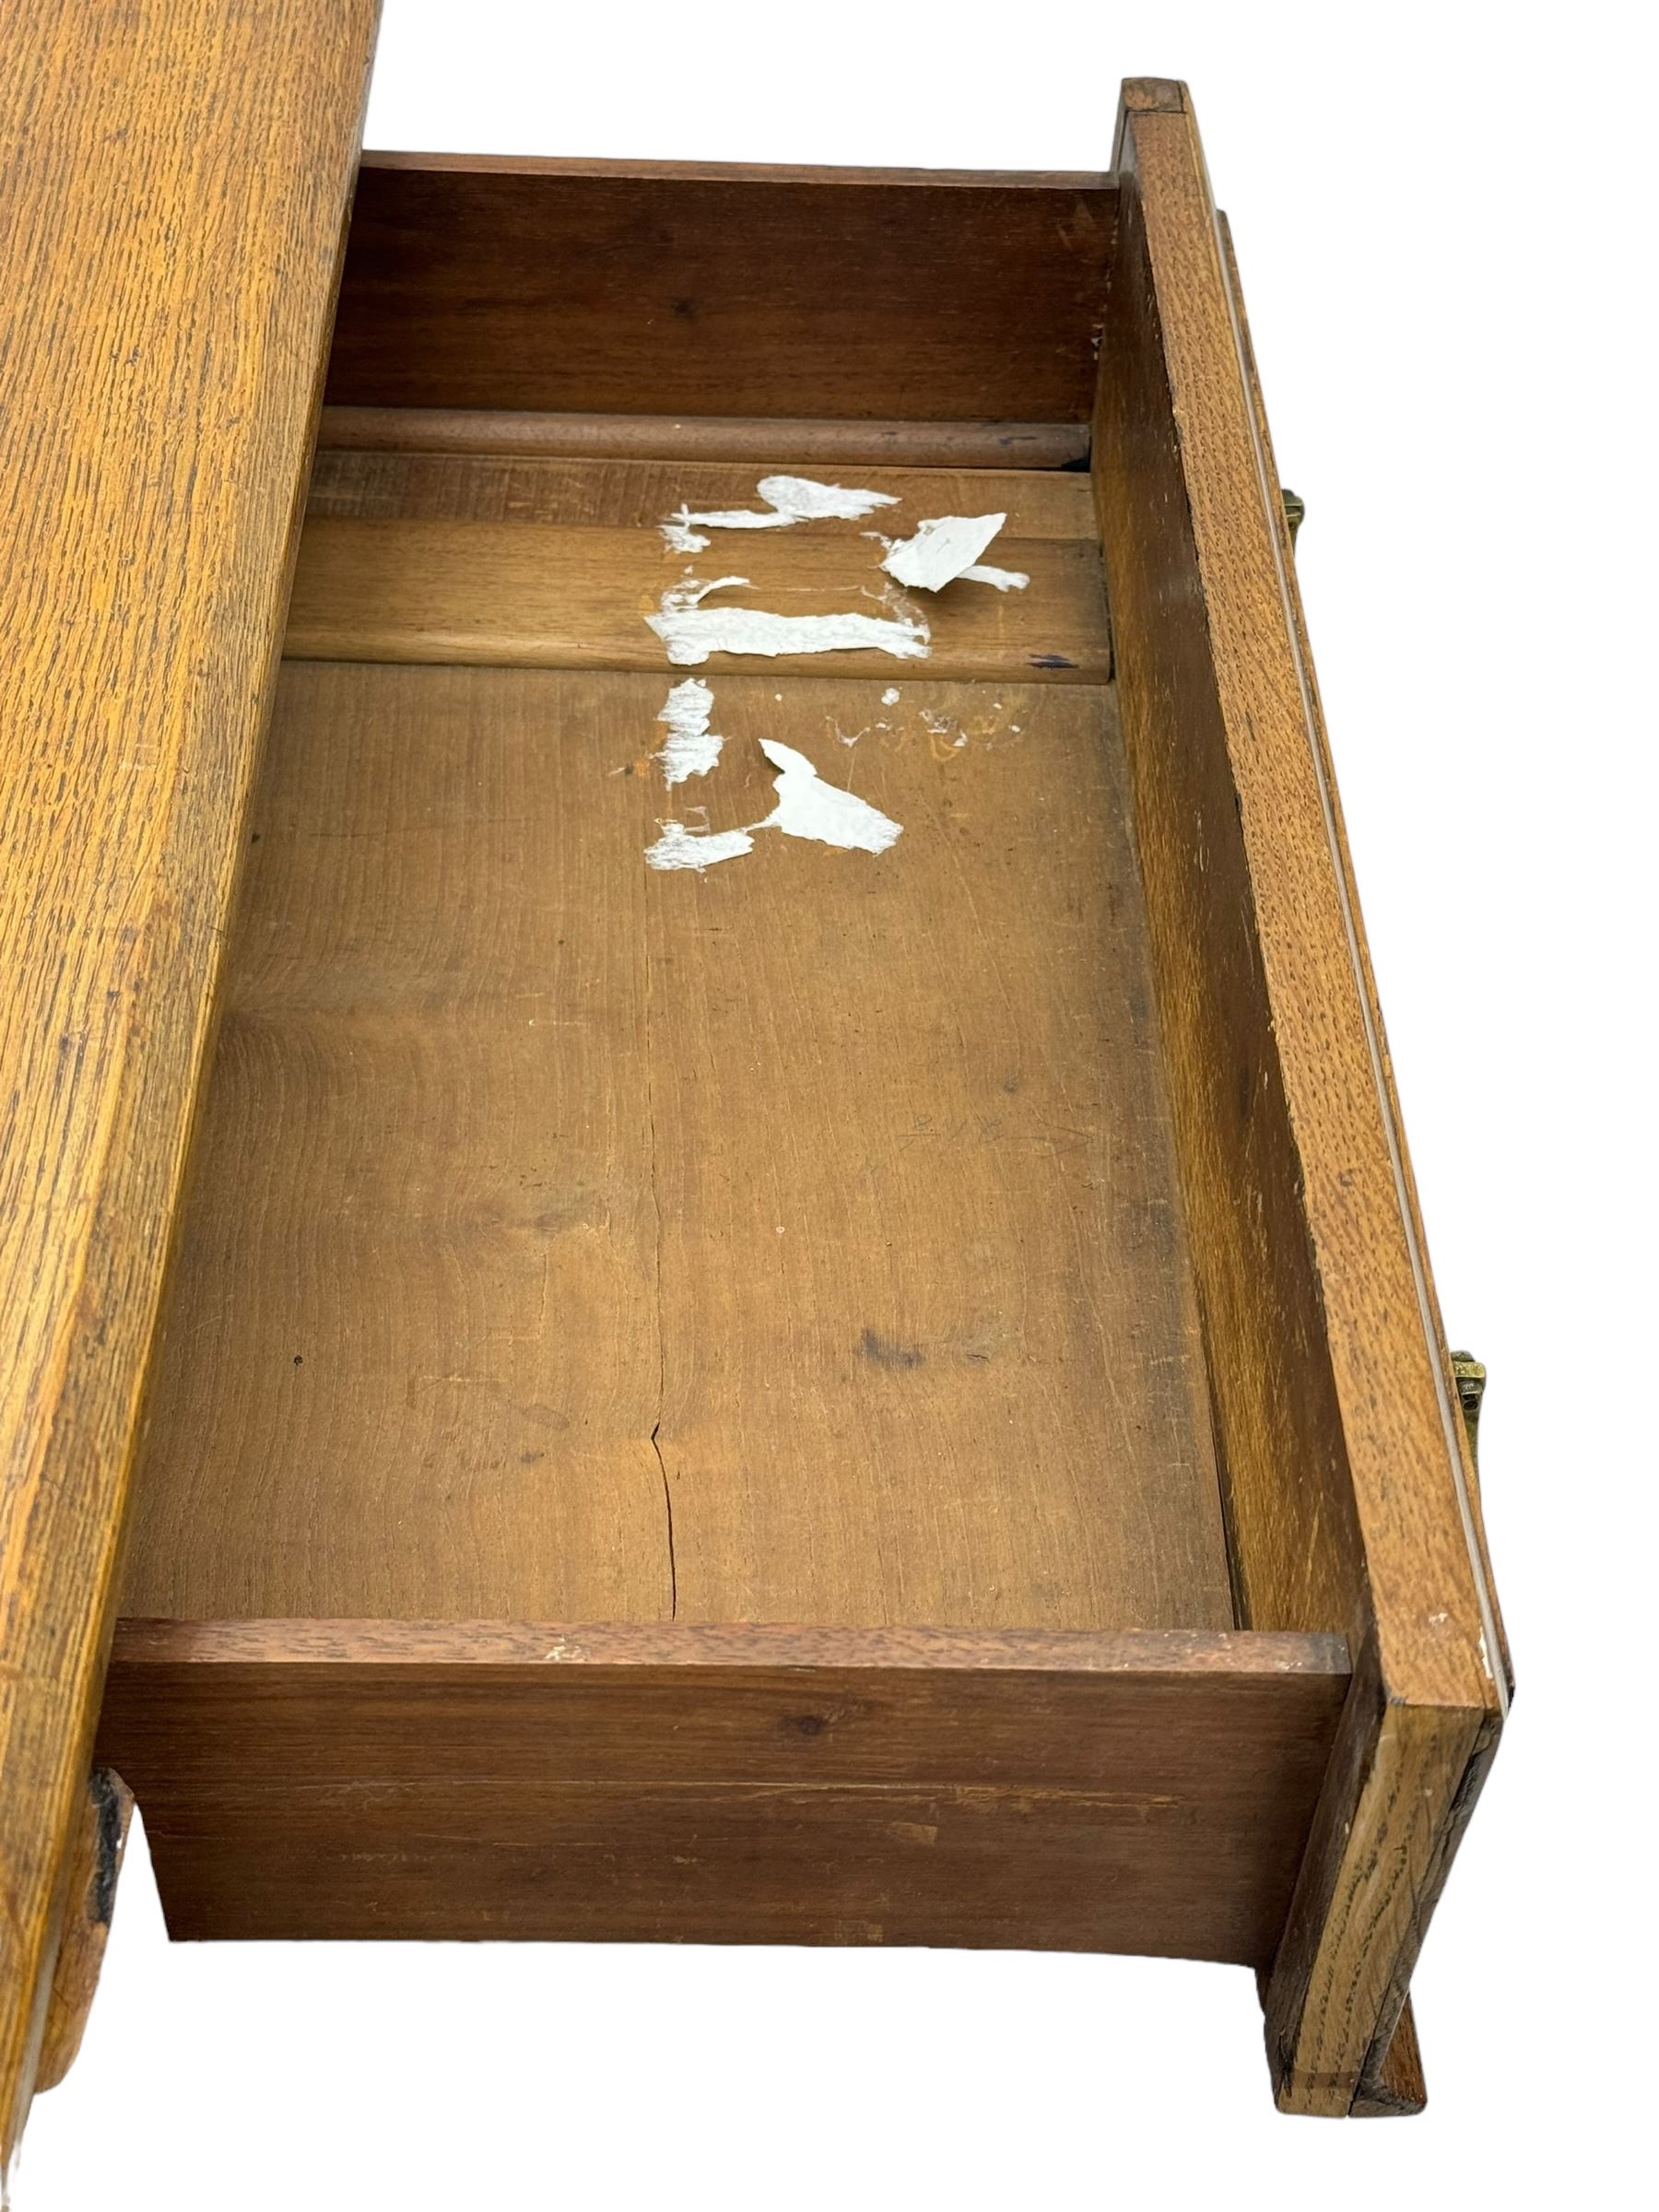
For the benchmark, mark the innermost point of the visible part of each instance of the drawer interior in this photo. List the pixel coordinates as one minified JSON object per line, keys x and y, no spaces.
{"x":794,"y":1238}
{"x":789,"y":1236}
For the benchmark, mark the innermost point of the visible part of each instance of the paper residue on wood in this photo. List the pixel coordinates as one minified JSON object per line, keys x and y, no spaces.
{"x":944,"y":548}
{"x":789,"y":499}
{"x":681,"y":848}
{"x":804,"y":806}
{"x":808,"y":807}
{"x":692,"y":748}
{"x":691,"y":631}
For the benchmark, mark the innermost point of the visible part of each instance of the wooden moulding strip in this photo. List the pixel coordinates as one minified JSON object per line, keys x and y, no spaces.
{"x":178,"y":174}
{"x":689,"y":1643}
{"x":1141,"y":1792}
{"x":768,"y":441}
{"x":1351,"y":1494}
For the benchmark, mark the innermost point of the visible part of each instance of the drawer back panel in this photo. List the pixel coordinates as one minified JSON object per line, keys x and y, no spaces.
{"x":669,"y":288}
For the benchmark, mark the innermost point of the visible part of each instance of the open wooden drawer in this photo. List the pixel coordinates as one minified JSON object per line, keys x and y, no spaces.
{"x":743,"y":1363}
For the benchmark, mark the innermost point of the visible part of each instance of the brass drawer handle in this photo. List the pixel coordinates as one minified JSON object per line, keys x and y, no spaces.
{"x":1470,"y":1377}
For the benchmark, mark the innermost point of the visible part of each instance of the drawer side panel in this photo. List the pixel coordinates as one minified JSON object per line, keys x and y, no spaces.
{"x":178,"y":174}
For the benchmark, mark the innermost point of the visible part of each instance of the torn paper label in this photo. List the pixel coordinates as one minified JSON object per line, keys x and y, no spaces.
{"x":1004,"y":580}
{"x":692,"y":632}
{"x":941,"y":549}
{"x":789,"y":499}
{"x":692,"y":748}
{"x":681,"y":848}
{"x":808,"y":807}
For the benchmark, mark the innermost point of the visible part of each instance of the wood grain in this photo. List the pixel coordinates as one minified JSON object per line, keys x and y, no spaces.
{"x":1402,"y":1783}
{"x":596,"y":287}
{"x":846,"y":1178}
{"x":1073,"y":1790}
{"x":823,"y":443}
{"x":1409,"y":2063}
{"x":640,"y":491}
{"x":1293,"y":1531}
{"x":1345,"y":1464}
{"x":522,"y":596}
{"x":97,"y":1844}
{"x":1396,"y":2089}
{"x":177,"y":176}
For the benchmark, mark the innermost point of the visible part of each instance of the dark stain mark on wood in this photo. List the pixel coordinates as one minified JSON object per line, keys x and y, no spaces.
{"x":884,"y":1352}
{"x":110,"y":1802}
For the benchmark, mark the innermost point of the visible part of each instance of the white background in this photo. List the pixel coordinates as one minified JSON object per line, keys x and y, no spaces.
{"x":1443,"y":215}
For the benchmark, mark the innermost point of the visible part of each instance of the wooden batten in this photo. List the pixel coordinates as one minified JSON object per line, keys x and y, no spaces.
{"x":824,"y":443}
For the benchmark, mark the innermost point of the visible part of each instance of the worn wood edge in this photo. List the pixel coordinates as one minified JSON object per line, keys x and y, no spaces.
{"x":96,"y":1848}
{"x":778,"y":440}
{"x":1183,"y":198}
{"x":92,"y":1389}
{"x":1396,"y":2090}
{"x":1150,"y":96}
{"x":746,"y":173}
{"x":140,"y":1643}
{"x":1320,"y":735}
{"x":1401,"y":1785}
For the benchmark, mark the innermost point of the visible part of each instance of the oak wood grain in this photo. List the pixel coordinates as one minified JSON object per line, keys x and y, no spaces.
{"x":177,"y":181}
{"x":573,"y":1241}
{"x":1409,"y":2060}
{"x":1143,"y":1791}
{"x":1396,"y":2089}
{"x":1345,"y":1467}
{"x":608,"y":288}
{"x":823,"y":442}
{"x":526,"y":595}
{"x":93,"y":1869}
{"x":641,"y":491}
{"x":1402,"y":1783}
